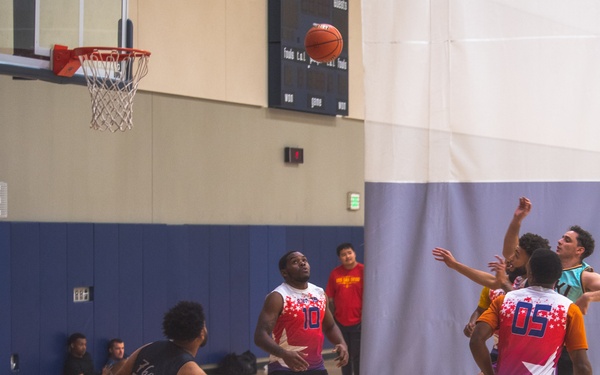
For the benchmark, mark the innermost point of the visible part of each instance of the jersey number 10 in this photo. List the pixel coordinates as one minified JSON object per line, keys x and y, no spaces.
{"x":312,"y":317}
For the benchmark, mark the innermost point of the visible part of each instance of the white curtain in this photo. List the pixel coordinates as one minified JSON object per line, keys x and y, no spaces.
{"x":469,"y":104}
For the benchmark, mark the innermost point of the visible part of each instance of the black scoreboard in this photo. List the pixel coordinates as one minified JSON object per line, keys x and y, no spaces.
{"x":297,"y":82}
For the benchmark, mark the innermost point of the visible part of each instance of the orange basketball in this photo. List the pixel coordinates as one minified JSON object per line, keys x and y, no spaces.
{"x":323,"y":43}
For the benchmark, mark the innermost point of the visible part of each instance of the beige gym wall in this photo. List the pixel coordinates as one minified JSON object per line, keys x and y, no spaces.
{"x":204,"y":148}
{"x":217,"y":49}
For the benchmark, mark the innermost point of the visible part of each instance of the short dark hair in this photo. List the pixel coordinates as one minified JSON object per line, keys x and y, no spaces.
{"x":283,"y":260}
{"x":184,"y":321}
{"x":343,"y":246}
{"x":114,"y":341}
{"x":584,"y":239}
{"x":530,"y":242}
{"x":545,"y":266}
{"x":74,"y":337}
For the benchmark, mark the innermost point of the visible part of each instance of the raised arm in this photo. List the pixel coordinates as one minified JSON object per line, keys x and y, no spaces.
{"x":480,"y":277}
{"x":263,"y":334}
{"x":511,"y":238}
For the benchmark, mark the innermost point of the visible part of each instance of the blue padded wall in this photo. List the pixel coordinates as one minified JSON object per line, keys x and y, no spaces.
{"x":80,"y":273}
{"x":54,"y":295}
{"x":199,"y":277}
{"x":5,"y":286}
{"x":106,"y":287}
{"x":240,"y":336}
{"x":219,"y":308}
{"x":157,"y":276}
{"x":131,"y":285}
{"x":260,"y":265}
{"x":138,"y":271}
{"x":25,"y":282}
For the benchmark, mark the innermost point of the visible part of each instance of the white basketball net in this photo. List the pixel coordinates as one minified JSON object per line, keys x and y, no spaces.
{"x":112,"y":78}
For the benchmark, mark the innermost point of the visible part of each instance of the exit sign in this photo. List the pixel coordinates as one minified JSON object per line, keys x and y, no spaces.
{"x":353,"y":201}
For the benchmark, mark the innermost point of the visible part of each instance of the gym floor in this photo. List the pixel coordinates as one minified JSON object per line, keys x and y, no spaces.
{"x":330,"y":365}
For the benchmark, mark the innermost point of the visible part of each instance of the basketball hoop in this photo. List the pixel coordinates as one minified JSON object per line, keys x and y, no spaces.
{"x":112,"y":75}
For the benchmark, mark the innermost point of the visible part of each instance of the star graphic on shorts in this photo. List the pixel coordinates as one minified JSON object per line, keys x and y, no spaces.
{"x":283,"y":342}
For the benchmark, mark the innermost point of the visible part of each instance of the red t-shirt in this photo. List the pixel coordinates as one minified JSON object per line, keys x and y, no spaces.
{"x":346,"y":289}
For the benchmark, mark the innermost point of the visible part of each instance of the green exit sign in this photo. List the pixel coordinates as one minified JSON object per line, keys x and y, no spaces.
{"x":353,"y":201}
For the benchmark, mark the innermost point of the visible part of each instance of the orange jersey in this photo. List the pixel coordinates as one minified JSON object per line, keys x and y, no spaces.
{"x":533,"y":324}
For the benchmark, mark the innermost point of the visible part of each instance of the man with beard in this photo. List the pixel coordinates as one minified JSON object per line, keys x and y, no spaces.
{"x":184,"y":326}
{"x":294,"y":320}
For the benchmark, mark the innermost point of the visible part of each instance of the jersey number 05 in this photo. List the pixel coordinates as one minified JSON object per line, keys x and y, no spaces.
{"x":536,"y":317}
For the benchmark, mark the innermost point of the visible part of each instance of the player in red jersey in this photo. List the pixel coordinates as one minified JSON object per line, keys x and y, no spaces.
{"x":294,"y":321}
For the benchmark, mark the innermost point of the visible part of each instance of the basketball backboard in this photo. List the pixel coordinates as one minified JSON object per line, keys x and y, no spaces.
{"x":30,"y":28}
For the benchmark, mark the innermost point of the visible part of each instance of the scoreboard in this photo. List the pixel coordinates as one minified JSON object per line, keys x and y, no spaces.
{"x":296,"y":82}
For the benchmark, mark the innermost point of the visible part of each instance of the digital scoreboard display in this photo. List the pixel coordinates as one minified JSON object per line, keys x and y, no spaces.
{"x":297,"y":82}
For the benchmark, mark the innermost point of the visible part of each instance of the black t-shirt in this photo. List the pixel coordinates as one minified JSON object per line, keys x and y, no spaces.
{"x":76,"y":366}
{"x":160,"y":357}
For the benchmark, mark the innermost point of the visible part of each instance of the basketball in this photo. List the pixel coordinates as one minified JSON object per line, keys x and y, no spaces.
{"x":323,"y":43}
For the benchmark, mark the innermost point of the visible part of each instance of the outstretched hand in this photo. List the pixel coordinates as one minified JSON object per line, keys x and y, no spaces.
{"x":523,"y":209}
{"x":443,"y":255}
{"x":499,"y":267}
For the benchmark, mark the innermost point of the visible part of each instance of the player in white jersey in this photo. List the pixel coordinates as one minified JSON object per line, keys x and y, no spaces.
{"x":294,"y":320}
{"x":533,"y":324}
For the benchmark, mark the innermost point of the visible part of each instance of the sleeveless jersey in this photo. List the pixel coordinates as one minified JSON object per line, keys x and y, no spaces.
{"x":300,"y":325}
{"x":533,"y":325}
{"x":569,"y":284}
{"x":160,"y":357}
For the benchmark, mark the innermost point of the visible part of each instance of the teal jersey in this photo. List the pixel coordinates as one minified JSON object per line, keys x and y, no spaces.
{"x":569,"y":284}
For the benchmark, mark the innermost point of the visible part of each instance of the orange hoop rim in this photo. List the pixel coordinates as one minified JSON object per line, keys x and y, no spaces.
{"x":105,"y":52}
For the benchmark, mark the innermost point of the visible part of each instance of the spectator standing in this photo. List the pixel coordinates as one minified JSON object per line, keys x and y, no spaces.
{"x":345,"y":292}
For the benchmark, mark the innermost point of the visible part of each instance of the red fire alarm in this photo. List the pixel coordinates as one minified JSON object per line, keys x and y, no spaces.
{"x":294,"y":155}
